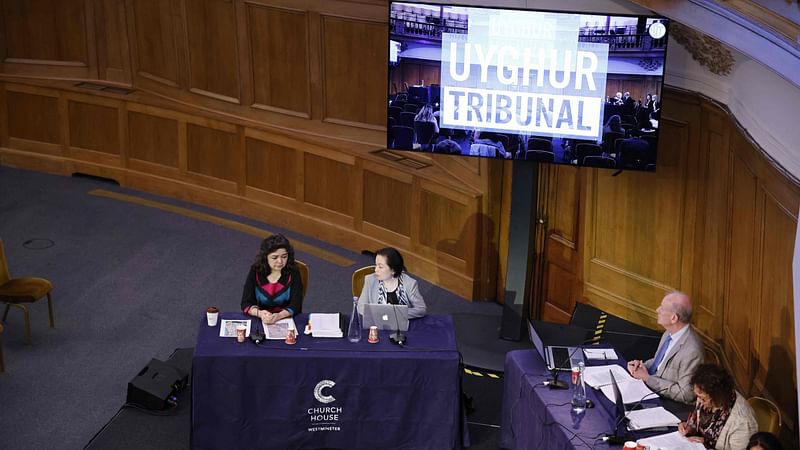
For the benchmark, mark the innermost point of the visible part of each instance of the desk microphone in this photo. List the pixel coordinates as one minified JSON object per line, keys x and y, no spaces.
{"x":398,"y":337}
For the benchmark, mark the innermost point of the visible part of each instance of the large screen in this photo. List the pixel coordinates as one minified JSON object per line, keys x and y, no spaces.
{"x":569,"y":88}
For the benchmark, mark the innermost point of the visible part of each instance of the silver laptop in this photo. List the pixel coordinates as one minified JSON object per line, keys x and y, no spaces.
{"x":386,"y":316}
{"x":563,"y":358}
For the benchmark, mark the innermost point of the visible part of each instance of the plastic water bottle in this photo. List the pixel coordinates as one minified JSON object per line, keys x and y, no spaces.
{"x":579,"y":390}
{"x":354,"y":329}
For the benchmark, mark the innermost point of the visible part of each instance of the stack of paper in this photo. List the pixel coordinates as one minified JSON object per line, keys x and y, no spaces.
{"x":632,"y":390}
{"x":603,"y":354}
{"x":671,"y":441}
{"x":651,"y":418}
{"x":279,"y":329}
{"x":325,"y":325}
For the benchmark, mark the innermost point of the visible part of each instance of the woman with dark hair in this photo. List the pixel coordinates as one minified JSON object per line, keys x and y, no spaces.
{"x":764,"y":440}
{"x":722,"y":419}
{"x":273,"y":289}
{"x":391,"y":284}
{"x":614,"y":124}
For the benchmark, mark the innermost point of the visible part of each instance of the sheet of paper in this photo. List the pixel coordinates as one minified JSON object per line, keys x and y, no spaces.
{"x":671,"y":441}
{"x":633,"y":391}
{"x":651,"y":418}
{"x":325,"y":325}
{"x":227,"y":327}
{"x":279,"y":329}
{"x":597,"y":376}
{"x":602,"y":354}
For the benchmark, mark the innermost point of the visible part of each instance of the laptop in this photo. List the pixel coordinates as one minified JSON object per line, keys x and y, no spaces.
{"x":563,"y":358}
{"x":386,"y":316}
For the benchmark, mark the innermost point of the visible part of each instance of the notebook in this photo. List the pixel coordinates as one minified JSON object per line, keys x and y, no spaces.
{"x":386,"y":316}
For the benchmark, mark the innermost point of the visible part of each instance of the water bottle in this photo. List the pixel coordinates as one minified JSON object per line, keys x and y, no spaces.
{"x":579,"y":389}
{"x":354,"y":329}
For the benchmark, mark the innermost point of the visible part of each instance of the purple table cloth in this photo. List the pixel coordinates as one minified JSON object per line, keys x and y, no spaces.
{"x":330,"y":393}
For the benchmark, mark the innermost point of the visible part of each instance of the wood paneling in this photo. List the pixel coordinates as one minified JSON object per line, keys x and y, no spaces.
{"x":113,"y":51}
{"x":212,"y":152}
{"x":271,"y":167}
{"x":278,"y":40}
{"x":155,"y":40}
{"x":153,"y":139}
{"x":354,"y":73}
{"x":443,"y":220}
{"x":327,"y":183}
{"x":45,"y":30}
{"x":387,"y":202}
{"x":33,"y":117}
{"x":94,"y":127}
{"x":213,"y":62}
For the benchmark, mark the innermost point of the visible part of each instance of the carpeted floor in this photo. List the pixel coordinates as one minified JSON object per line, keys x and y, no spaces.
{"x":130,"y":282}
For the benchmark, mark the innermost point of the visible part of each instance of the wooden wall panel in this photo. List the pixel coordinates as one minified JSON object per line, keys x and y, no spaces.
{"x":45,"y":30}
{"x":278,"y":41}
{"x":213,"y":62}
{"x":153,"y":139}
{"x":94,"y":127}
{"x":212,"y":152}
{"x":271,"y":167}
{"x":328,"y":183}
{"x":155,"y":40}
{"x":387,"y":202}
{"x":441,"y":220}
{"x":355,"y":75}
{"x":33,"y":117}
{"x":113,"y":51}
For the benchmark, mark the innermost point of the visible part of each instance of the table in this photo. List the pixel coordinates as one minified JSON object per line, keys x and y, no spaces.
{"x":537,"y":417}
{"x":324,"y":392}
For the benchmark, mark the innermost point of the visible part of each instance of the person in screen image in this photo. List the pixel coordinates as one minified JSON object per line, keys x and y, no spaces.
{"x":273,"y":289}
{"x":764,"y":440}
{"x":391,"y":284}
{"x":613,"y":125}
{"x":680,"y":351}
{"x":488,"y":144}
{"x":425,"y":114}
{"x":722,"y":419}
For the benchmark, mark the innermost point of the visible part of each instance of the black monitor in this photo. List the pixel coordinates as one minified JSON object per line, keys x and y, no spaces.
{"x":619,"y":428}
{"x":526,"y":84}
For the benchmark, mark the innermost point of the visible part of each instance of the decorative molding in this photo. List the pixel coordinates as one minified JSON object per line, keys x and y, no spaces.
{"x":704,"y":49}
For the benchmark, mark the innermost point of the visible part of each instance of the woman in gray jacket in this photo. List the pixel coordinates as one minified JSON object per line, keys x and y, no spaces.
{"x":391,"y":284}
{"x":722,"y":419}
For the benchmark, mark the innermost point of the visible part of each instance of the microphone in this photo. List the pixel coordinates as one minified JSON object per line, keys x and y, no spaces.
{"x":398,"y":337}
{"x":621,"y":333}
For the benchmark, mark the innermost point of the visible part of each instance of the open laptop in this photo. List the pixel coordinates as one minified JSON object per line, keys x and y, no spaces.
{"x":563,"y":358}
{"x":386,"y":316}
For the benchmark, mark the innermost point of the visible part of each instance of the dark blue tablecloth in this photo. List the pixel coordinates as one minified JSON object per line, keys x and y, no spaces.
{"x":537,"y":417}
{"x":380,"y":395}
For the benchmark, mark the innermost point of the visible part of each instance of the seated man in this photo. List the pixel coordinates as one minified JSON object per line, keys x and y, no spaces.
{"x":679,"y":353}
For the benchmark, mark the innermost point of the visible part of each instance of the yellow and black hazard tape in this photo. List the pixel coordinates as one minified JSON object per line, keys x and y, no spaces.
{"x":598,"y":329}
{"x":477,"y":373}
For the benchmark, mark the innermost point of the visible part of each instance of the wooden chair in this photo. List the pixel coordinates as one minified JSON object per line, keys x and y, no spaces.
{"x":712,"y":356}
{"x":303,"y":269}
{"x":358,"y":279}
{"x":17,"y":292}
{"x":768,"y":416}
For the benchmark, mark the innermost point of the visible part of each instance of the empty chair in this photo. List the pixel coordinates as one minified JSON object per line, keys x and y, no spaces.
{"x":403,"y":137}
{"x":394,"y":112}
{"x":632,"y":153}
{"x":390,"y":134}
{"x":357,"y":282}
{"x":17,"y":292}
{"x":584,"y":149}
{"x":407,"y":119}
{"x":303,"y":269}
{"x":599,"y":161}
{"x":609,"y":139}
{"x":540,"y":144}
{"x":426,"y":133}
{"x":539,"y":155}
{"x":411,"y":107}
{"x":400,"y":104}
{"x":768,"y":416}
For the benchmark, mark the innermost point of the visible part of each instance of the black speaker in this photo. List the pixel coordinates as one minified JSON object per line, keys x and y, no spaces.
{"x":156,"y":385}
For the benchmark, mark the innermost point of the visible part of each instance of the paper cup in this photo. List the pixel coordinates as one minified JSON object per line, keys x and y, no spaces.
{"x":373,"y":335}
{"x":629,"y":444}
{"x":241,"y":330}
{"x":211,"y":318}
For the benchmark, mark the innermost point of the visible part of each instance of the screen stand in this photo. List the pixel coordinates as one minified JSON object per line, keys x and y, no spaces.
{"x":520,"y":251}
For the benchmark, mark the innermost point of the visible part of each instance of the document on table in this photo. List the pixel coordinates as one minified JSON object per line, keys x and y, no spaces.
{"x":601,"y":354}
{"x":643,"y":419}
{"x":633,"y":391}
{"x":227,"y":328}
{"x":597,"y":376}
{"x":325,"y":325}
{"x":671,"y":441}
{"x":279,"y":329}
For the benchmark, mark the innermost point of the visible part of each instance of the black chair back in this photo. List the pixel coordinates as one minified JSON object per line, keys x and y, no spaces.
{"x":583,"y":150}
{"x":394,"y":112}
{"x":411,"y":107}
{"x":539,"y":144}
{"x":540,"y":155}
{"x":407,"y":119}
{"x":403,"y":137}
{"x":599,"y":161}
{"x":426,"y":133}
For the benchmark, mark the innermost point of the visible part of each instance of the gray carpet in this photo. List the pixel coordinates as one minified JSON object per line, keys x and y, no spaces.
{"x":131,"y":283}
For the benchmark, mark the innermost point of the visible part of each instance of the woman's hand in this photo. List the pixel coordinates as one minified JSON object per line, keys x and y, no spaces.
{"x":265,"y":316}
{"x":698,"y":439}
{"x":683,"y":429}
